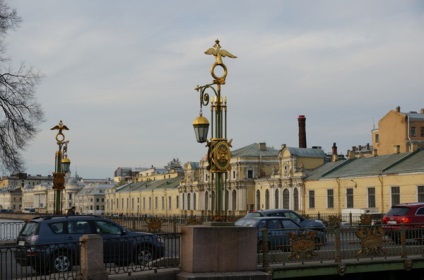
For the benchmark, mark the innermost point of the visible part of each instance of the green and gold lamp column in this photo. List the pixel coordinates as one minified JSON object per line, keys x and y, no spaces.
{"x":219,"y":152}
{"x":62,"y":166}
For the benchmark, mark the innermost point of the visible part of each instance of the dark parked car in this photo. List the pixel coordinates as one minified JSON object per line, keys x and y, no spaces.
{"x":306,"y":223}
{"x":279,"y":230}
{"x":51,"y":243}
{"x":410,"y":215}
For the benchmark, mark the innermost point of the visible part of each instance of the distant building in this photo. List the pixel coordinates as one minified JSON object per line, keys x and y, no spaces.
{"x":126,"y":174}
{"x":91,"y":198}
{"x":21,"y":180}
{"x":153,"y":191}
{"x":371,"y":183}
{"x":399,"y":132}
{"x":11,"y":199}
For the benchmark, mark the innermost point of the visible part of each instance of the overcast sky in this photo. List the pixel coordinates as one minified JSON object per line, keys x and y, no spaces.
{"x":121,"y":74}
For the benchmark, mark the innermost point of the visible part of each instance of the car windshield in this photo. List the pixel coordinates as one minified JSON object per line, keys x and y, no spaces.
{"x":289,"y":224}
{"x":30,"y":228}
{"x":104,"y":227}
{"x":398,"y":211}
{"x":253,"y":214}
{"x":246,"y":222}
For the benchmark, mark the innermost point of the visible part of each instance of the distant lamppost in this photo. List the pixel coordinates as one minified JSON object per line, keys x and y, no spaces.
{"x":62,"y":165}
{"x":219,"y":153}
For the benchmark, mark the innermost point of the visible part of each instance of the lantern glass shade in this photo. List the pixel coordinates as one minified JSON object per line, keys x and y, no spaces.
{"x":66,"y":165}
{"x":201,"y":128}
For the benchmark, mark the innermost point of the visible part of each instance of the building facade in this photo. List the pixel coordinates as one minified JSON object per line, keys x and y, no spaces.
{"x":369,"y":183}
{"x":399,"y":132}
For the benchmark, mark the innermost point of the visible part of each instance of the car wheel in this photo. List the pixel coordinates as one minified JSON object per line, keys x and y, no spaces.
{"x":61,"y":262}
{"x":143,"y":255}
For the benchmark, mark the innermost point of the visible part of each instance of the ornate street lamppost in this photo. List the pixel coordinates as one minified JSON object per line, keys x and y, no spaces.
{"x":62,"y":165}
{"x":219,"y":153}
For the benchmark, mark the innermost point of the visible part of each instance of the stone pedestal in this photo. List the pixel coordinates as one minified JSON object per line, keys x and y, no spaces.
{"x":92,"y":266}
{"x":218,"y":249}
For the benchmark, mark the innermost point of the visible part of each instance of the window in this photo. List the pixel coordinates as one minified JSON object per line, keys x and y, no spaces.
{"x":395,"y":195}
{"x":234,"y":200}
{"x":250,"y":174}
{"x":163,"y":202}
{"x":311,"y":199}
{"x":79,"y":227}
{"x":267,"y":199}
{"x":330,"y":198}
{"x":413,"y":131}
{"x":276,"y":199}
{"x":349,"y":198}
{"x":371,"y":197}
{"x":177,"y":202}
{"x":206,"y":201}
{"x":103,"y":227}
{"x":286,"y":199}
{"x":376,"y":138}
{"x":169,"y":202}
{"x":296,"y":199}
{"x":420,"y":193}
{"x":422,"y":131}
{"x":56,"y":227}
{"x":258,"y":200}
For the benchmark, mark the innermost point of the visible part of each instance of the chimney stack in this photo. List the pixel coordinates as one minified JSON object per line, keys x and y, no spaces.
{"x":334,"y":155}
{"x":302,"y":131}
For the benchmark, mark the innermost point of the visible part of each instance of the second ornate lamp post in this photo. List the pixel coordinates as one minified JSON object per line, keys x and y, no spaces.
{"x":219,"y":153}
{"x":62,"y":164}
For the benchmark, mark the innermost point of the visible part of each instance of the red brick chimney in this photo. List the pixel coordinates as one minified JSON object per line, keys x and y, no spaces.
{"x":334,"y":155}
{"x":302,"y":131}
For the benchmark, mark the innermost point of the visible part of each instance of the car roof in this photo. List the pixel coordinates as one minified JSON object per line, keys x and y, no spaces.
{"x":273,"y":210}
{"x":409,"y":204}
{"x":62,"y":217}
{"x":268,"y":218}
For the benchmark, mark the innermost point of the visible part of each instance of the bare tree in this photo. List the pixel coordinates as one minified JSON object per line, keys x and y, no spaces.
{"x":20,"y":114}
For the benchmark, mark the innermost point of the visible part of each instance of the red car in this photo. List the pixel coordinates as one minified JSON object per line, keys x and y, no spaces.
{"x":410,"y":215}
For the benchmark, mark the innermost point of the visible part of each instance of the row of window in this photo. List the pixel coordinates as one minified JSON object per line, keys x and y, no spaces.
{"x":414,"y":131}
{"x":395,"y":197}
{"x":127,"y":204}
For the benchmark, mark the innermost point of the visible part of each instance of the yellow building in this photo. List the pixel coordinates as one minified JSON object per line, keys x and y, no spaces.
{"x":400,"y":132}
{"x":371,"y":183}
{"x":153,"y":191}
{"x":21,"y":180}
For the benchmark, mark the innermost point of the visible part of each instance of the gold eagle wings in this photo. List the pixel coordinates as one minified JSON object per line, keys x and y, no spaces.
{"x":219,"y":53}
